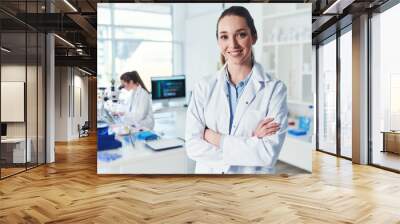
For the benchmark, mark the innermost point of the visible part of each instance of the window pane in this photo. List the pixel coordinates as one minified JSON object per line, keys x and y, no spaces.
{"x":41,"y":98}
{"x":142,"y":19}
{"x":327,"y":97}
{"x":103,"y":14}
{"x":104,"y":62}
{"x":31,"y":99}
{"x":346,"y":94}
{"x":13,"y":76}
{"x":146,"y":57}
{"x":385,"y":89}
{"x":149,"y":34}
{"x":104,"y":32}
{"x":148,"y":7}
{"x":138,"y":37}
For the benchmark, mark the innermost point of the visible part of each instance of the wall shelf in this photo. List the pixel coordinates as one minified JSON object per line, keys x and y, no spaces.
{"x":286,"y":49}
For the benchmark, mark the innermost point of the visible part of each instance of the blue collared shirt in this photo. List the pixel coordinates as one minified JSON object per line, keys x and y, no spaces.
{"x":233,"y":93}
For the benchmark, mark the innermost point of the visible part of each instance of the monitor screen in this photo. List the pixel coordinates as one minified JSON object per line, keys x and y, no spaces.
{"x":168,"y":87}
{"x":3,"y":129}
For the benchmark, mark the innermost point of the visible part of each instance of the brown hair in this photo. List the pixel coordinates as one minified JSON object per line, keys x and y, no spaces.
{"x":134,"y":77}
{"x":241,"y":12}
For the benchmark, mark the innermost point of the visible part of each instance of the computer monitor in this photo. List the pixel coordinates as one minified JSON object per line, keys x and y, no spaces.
{"x":3,"y":129}
{"x":168,"y":87}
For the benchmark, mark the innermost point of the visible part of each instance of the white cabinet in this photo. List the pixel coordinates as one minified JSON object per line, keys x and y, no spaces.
{"x":17,"y":147}
{"x":297,"y":152}
{"x":286,"y":55}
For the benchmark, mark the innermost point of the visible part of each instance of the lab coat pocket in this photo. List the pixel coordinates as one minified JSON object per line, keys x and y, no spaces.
{"x":252,"y":119}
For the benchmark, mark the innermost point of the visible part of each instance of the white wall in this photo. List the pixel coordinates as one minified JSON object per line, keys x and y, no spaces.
{"x":178,"y":32}
{"x":79,"y":117}
{"x":61,"y":103}
{"x":201,"y":50}
{"x":33,"y":126}
{"x":16,"y":73}
{"x":390,"y":67}
{"x":70,"y":83}
{"x":13,"y":73}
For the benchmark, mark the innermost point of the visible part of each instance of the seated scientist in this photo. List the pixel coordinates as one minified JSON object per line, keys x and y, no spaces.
{"x":136,"y":102}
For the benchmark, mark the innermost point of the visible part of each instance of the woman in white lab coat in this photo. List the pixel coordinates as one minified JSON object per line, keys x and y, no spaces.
{"x":136,"y":102}
{"x":237,"y":119}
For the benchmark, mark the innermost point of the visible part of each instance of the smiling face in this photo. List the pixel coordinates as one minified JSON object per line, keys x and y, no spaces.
{"x":235,"y":40}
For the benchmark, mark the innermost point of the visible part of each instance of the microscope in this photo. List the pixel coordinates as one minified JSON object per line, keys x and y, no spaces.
{"x":107,"y":102}
{"x":101,"y":98}
{"x":106,"y":140}
{"x":114,"y":93}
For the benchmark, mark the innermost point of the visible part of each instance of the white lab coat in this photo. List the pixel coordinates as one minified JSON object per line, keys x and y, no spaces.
{"x":262,"y":97}
{"x":138,"y":109}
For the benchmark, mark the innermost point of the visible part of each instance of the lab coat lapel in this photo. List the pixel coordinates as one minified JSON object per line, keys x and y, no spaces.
{"x":224,"y":107}
{"x":255,"y":84}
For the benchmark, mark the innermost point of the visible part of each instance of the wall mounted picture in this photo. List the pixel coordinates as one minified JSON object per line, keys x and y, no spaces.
{"x":210,"y":88}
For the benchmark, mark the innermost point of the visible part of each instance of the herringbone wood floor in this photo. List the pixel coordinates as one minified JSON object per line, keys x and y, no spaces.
{"x":70,"y":191}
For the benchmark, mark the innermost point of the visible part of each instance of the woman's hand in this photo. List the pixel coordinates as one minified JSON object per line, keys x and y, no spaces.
{"x":212,"y":137}
{"x":266,"y":127}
